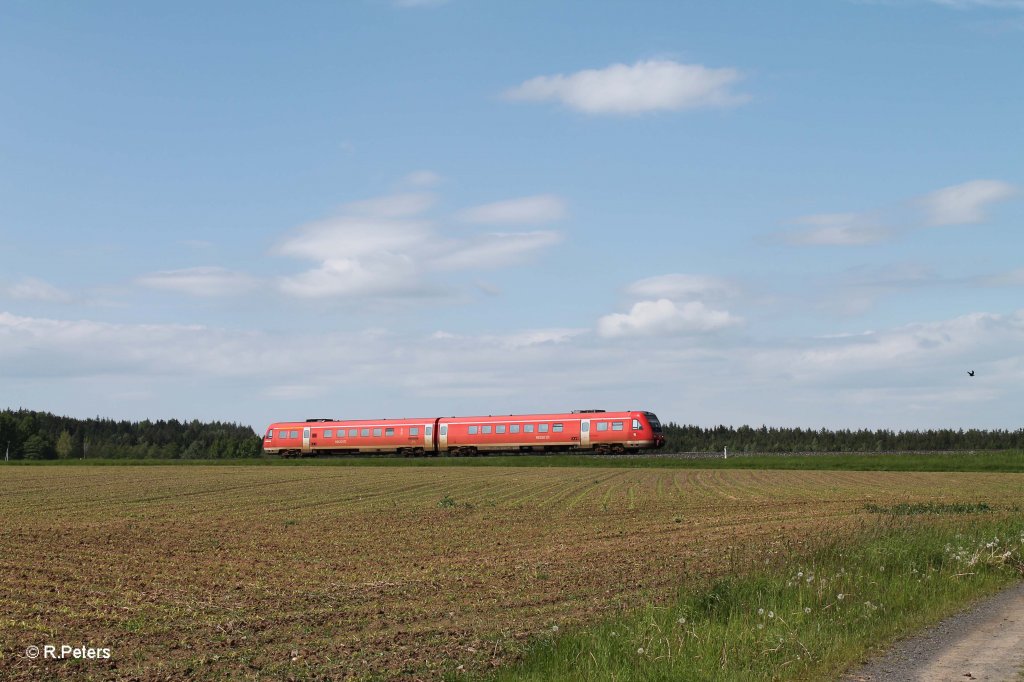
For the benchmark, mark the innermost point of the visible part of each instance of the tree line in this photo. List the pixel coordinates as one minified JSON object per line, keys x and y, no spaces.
{"x":26,"y":434}
{"x":773,"y":439}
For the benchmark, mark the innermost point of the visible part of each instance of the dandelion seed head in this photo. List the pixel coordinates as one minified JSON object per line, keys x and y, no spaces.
{"x":554,"y":628}
{"x":807,"y":609}
{"x":760,"y":626}
{"x":840,"y":596}
{"x":760,"y":612}
{"x":682,"y":620}
{"x":771,"y":614}
{"x":640,"y":651}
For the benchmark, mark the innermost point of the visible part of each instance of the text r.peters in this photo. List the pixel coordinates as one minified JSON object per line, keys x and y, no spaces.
{"x":52,"y":651}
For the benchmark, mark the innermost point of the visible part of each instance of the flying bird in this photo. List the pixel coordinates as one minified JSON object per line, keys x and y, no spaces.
{"x":970,"y":372}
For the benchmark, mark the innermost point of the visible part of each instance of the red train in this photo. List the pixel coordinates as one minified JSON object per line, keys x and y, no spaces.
{"x":581,"y":430}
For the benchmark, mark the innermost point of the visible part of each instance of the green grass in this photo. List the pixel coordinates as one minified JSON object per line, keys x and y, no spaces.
{"x":801,"y":618}
{"x":997,"y":461}
{"x":909,"y":509}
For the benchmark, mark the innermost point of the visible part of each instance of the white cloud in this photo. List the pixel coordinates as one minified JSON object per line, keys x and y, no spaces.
{"x":516,"y":340}
{"x":837,"y":229}
{"x":488,"y":251}
{"x":966,"y":203}
{"x":542,"y":208}
{"x":392,"y":205}
{"x":423,"y":178}
{"x":682,"y":286}
{"x":201,"y":281}
{"x":663,"y":317}
{"x":381,"y":274}
{"x":355,"y":237}
{"x":957,"y":343}
{"x":386,"y":247}
{"x":366,"y":252}
{"x":655,"y":85}
{"x":956,"y":205}
{"x":34,"y":289}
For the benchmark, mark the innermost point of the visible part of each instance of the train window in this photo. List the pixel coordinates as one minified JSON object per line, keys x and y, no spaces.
{"x":430,"y":431}
{"x":500,"y":428}
{"x":328,"y":433}
{"x":602,"y":426}
{"x":364,"y":432}
{"x":270,"y":434}
{"x":414,"y":430}
{"x":472,"y":430}
{"x":376,"y":432}
{"x":636,"y":424}
{"x":616,"y":426}
{"x":283,"y":434}
{"x":528,"y":428}
{"x":444,"y":430}
{"x":543,"y":428}
{"x":557,"y":428}
{"x":295,"y":434}
{"x":584,"y":426}
{"x":486,"y":429}
{"x":352,"y":433}
{"x":514,"y":428}
{"x":389,"y":432}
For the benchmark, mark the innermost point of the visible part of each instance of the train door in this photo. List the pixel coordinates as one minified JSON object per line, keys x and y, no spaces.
{"x":305,"y":439}
{"x":442,"y":438}
{"x":428,"y":438}
{"x":584,"y":433}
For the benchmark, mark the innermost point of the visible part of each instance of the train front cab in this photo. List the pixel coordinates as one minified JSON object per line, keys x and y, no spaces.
{"x":286,"y":439}
{"x":653,"y":425}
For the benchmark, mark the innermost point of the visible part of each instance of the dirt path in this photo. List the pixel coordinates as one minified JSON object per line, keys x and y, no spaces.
{"x":983,"y":643}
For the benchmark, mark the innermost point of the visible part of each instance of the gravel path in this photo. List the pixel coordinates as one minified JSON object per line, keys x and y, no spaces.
{"x":984,"y":643}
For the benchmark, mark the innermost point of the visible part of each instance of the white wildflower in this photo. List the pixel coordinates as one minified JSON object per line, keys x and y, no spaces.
{"x":840,"y":596}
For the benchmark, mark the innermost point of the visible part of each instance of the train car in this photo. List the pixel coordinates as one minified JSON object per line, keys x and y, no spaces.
{"x":582,"y":430}
{"x":351,"y":436}
{"x":593,"y":430}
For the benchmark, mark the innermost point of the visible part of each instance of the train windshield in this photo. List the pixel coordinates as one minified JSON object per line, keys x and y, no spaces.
{"x":653,"y":420}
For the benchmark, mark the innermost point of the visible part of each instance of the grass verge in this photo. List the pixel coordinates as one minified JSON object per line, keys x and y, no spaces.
{"x":801,"y":618}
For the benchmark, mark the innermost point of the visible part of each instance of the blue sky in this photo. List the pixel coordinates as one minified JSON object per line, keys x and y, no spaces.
{"x":794,"y":214}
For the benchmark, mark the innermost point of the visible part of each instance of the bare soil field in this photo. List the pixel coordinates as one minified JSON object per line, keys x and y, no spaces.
{"x":313,"y":572}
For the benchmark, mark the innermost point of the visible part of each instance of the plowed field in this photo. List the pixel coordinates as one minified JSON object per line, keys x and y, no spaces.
{"x":334,"y":572}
